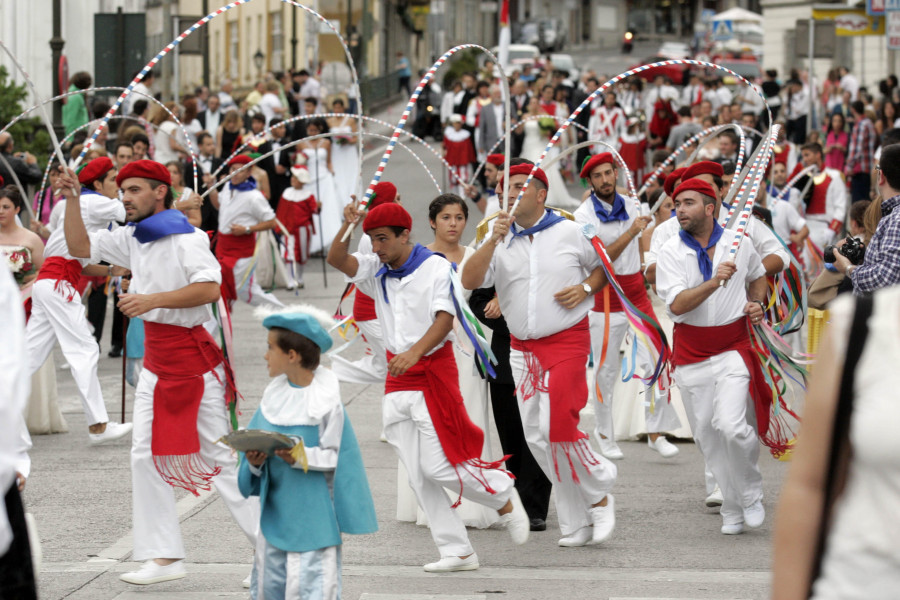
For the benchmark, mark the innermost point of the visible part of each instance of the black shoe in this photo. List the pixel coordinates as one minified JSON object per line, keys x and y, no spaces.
{"x":115,"y":352}
{"x":538,"y":525}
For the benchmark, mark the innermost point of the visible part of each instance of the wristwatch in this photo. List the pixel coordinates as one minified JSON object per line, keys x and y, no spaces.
{"x":587,"y":288}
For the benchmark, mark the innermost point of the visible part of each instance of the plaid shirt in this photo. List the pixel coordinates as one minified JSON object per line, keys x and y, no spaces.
{"x":881,"y":265}
{"x":862,"y":148}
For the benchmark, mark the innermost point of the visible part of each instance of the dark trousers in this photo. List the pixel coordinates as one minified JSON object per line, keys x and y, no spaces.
{"x":96,"y":310}
{"x":860,"y":186}
{"x":16,"y":570}
{"x":795,"y":130}
{"x":404,"y":85}
{"x":531,"y":483}
{"x":116,"y":339}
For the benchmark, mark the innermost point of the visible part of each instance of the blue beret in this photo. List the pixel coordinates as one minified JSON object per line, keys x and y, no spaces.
{"x":302,"y":323}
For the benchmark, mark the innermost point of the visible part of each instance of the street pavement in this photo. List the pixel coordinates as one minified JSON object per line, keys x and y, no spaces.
{"x":666,"y":545}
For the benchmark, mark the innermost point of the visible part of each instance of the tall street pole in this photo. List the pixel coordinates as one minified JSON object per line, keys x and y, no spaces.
{"x":205,"y":48}
{"x":56,"y":47}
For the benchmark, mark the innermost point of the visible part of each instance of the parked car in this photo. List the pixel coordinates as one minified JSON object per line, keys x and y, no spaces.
{"x":674,"y":50}
{"x":565,"y":62}
{"x":553,"y":35}
{"x":676,"y":73}
{"x":529,"y":33}
{"x":519,"y":55}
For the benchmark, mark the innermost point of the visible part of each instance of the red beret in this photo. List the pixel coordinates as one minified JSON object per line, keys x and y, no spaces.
{"x":525,"y":169}
{"x":387,"y":215}
{"x":704,"y":167}
{"x":496,"y":159}
{"x":2,"y":181}
{"x":695,"y":185}
{"x":671,"y":178}
{"x":94,"y":170}
{"x":240,"y":159}
{"x":384,"y":192}
{"x":595,"y":161}
{"x":148,"y":169}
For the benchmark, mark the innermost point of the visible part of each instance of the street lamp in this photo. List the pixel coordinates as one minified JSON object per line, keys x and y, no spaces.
{"x":258,"y":59}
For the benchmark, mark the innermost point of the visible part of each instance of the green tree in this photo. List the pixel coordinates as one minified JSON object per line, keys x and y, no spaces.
{"x":30,"y":133}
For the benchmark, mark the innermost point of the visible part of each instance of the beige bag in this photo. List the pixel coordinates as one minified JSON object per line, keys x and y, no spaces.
{"x":824,"y":289}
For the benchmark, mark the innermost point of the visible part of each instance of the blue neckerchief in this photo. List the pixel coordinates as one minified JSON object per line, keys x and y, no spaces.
{"x":673,"y":213}
{"x":772,"y":190}
{"x":702,"y":255}
{"x":246,"y":186}
{"x":418,"y":255}
{"x":491,"y":193}
{"x":618,"y":212}
{"x":160,"y":225}
{"x":549,"y":219}
{"x":726,"y":205}
{"x":87,"y":192}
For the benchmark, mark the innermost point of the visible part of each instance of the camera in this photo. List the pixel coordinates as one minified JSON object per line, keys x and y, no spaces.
{"x":853,"y":249}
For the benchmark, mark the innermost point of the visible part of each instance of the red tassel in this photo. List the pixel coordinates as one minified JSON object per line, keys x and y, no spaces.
{"x":188,"y":472}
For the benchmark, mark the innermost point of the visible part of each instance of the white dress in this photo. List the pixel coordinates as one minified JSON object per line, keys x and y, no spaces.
{"x":474,"y":391}
{"x":534,"y":144}
{"x":345,"y":160}
{"x":323,"y":185}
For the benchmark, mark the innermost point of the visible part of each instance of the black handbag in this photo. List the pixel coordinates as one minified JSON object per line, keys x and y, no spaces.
{"x":839,"y":456}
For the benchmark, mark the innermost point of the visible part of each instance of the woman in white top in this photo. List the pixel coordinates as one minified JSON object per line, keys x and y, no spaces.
{"x":166,"y":139}
{"x":317,"y":157}
{"x":536,"y":139}
{"x":344,"y":155}
{"x":862,"y":552}
{"x":448,"y":214}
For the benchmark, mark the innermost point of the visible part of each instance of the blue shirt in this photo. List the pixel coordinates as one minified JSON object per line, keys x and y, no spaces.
{"x":881,"y":265}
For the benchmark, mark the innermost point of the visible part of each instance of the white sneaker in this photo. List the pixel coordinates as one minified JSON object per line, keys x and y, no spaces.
{"x":151,"y":572}
{"x":291,"y":285}
{"x":610,"y":449}
{"x":604,"y":518}
{"x":754,"y":515}
{"x":732,"y":529}
{"x":516,"y":522}
{"x":113,"y":432}
{"x":450,"y":564}
{"x":665,"y":448}
{"x":715,"y":499}
{"x":246,"y":583}
{"x":580,"y":538}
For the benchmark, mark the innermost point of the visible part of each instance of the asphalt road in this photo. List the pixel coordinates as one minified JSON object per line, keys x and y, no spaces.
{"x":666,"y":545}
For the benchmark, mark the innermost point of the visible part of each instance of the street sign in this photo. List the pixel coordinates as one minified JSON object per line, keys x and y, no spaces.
{"x":875,"y":8}
{"x":706,"y":15}
{"x":723,"y":30}
{"x":890,"y":5}
{"x":893,"y":30}
{"x":849,"y":21}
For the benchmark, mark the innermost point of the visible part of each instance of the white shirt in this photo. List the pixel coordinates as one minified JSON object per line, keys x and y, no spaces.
{"x":528,"y":273}
{"x":311,"y":88}
{"x":268,"y":104}
{"x":164,"y":265}
{"x":849,"y":83}
{"x":759,"y":235}
{"x":414,"y":299}
{"x":629,"y":262}
{"x":212,"y":120}
{"x":97,"y":212}
{"x":242,"y":208}
{"x":785,"y":218}
{"x":162,"y":141}
{"x":15,"y":382}
{"x":678,"y":270}
{"x":128,"y":103}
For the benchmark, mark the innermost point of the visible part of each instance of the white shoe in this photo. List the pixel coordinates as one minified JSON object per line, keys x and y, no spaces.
{"x":754,"y":515}
{"x":715,"y":499}
{"x":604,"y":518}
{"x":151,"y":572}
{"x":450,"y":564}
{"x":732,"y":529}
{"x":580,"y":538}
{"x":246,"y":583}
{"x":516,"y":522}
{"x":665,"y":448}
{"x":113,"y":432}
{"x":610,"y":449}
{"x":291,"y":285}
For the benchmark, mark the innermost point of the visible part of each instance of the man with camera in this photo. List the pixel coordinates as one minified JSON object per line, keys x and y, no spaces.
{"x":880,"y":263}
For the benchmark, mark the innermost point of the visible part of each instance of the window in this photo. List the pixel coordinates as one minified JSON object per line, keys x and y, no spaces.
{"x":233,"y":50}
{"x":276,"y":41}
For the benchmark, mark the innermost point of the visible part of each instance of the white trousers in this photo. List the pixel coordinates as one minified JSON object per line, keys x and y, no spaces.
{"x":661,"y":415}
{"x":573,"y":500}
{"x":250,"y":292}
{"x":371,"y":368}
{"x":717,"y":399}
{"x":408,"y":428}
{"x":819,"y":233}
{"x":280,"y":575}
{"x":156,"y":530}
{"x":54,"y":318}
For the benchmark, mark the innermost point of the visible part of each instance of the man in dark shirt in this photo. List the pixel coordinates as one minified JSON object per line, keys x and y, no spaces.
{"x":24,"y":164}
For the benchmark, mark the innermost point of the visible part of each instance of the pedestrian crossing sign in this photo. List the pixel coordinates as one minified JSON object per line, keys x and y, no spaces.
{"x":723,"y":30}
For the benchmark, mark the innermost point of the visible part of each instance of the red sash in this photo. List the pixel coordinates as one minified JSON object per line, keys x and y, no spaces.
{"x":633,"y":286}
{"x":63,"y":271}
{"x":229,"y":250}
{"x":363,"y":307}
{"x":693,"y":344}
{"x":462,"y":441}
{"x":179,"y":357}
{"x":562,"y":356}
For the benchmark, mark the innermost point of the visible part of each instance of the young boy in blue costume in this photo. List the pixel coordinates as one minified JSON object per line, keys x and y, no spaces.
{"x":298,"y":553}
